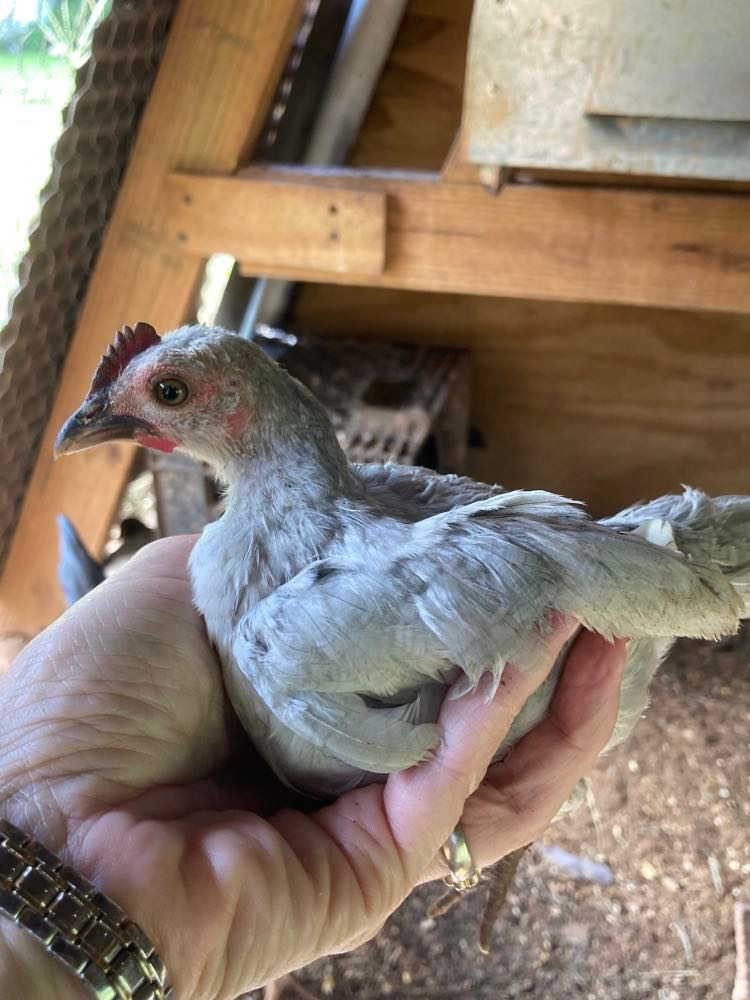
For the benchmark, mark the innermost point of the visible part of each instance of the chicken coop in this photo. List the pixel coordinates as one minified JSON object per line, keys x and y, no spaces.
{"x":496,"y":237}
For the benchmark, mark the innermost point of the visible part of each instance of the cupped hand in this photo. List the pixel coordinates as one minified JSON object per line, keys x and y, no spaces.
{"x":120,"y":753}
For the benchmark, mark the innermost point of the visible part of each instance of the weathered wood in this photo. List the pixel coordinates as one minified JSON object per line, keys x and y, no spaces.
{"x":292,"y":225}
{"x":209,"y":101}
{"x":667,"y":249}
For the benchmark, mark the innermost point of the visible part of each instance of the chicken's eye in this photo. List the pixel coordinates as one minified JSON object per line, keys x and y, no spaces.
{"x":171,"y":391}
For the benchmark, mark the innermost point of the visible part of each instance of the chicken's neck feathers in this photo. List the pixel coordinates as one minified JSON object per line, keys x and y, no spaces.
{"x":289,"y":443}
{"x":285,"y":508}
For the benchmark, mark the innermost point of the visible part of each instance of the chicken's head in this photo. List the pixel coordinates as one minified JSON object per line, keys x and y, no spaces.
{"x":200,"y":389}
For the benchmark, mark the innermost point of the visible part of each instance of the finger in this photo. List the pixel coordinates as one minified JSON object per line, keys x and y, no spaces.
{"x":154,"y":587}
{"x":521,"y":795}
{"x":425,"y":803}
{"x":164,"y":558}
{"x":582,"y":716}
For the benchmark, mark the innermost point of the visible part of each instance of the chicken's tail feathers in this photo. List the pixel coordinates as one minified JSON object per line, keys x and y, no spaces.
{"x":713,"y":531}
{"x":77,"y":570}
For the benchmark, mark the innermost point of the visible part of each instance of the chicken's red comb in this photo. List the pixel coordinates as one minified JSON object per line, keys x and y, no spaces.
{"x":127,"y":343}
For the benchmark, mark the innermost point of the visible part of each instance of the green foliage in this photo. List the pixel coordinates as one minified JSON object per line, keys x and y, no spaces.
{"x":37,"y":71}
{"x":68,"y":27}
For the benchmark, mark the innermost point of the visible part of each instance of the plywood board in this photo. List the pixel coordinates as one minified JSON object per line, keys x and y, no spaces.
{"x":530,"y":70}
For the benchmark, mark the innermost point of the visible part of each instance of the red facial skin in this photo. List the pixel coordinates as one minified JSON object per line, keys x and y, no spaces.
{"x":204,"y":394}
{"x":157,"y":443}
{"x":236,"y":423}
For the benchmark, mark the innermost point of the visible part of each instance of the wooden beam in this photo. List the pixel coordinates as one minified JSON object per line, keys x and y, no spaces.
{"x":209,"y":102}
{"x":566,"y":243}
{"x":337,"y":229}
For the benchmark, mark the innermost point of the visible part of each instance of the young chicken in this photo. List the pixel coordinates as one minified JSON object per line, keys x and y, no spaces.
{"x":344,"y":599}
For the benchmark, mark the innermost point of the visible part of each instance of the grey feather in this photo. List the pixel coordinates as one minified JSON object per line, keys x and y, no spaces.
{"x":466,"y":587}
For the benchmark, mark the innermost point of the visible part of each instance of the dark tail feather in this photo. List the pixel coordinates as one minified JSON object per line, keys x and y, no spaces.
{"x":77,"y":570}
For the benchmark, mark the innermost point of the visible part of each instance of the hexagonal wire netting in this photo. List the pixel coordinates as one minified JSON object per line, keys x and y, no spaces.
{"x":89,"y":159}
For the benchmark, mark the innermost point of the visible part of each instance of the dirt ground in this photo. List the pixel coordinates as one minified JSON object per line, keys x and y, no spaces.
{"x":669,"y":814}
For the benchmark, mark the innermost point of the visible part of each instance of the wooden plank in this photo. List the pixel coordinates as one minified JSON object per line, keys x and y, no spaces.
{"x":207,"y":107}
{"x":338,"y":229}
{"x":609,"y":404}
{"x":667,"y":249}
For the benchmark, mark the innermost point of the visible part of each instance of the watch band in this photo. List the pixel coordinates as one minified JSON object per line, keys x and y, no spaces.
{"x":76,"y":923}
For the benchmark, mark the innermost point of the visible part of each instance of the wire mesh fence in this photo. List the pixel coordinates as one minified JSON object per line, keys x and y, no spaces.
{"x":106,"y":96}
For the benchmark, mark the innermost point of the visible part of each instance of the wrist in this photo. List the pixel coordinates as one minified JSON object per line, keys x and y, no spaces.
{"x":27,"y":970}
{"x":79,"y":925}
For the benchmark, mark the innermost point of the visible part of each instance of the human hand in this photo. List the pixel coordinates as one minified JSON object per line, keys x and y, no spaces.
{"x":117,"y":754}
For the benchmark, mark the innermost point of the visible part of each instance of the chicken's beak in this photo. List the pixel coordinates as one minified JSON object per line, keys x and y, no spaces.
{"x":93,"y":424}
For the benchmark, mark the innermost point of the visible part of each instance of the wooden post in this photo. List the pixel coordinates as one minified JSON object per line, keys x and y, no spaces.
{"x":210,"y":99}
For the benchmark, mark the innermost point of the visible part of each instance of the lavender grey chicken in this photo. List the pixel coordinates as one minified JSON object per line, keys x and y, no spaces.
{"x":344,"y":599}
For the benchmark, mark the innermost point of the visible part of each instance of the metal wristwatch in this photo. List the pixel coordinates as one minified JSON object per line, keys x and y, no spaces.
{"x":76,"y":923}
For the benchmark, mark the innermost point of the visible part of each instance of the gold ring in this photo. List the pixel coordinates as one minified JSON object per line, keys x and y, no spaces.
{"x":464,"y":873}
